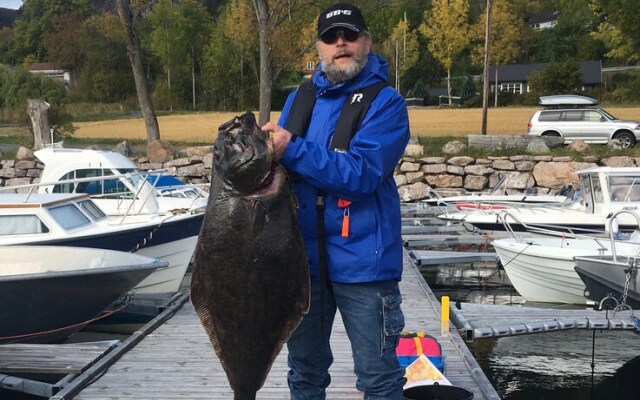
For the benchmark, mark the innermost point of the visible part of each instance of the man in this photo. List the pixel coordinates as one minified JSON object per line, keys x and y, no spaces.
{"x":354,"y":193}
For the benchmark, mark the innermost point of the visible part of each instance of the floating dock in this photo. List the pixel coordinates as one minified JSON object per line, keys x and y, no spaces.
{"x":481,"y":321}
{"x":176,"y":361}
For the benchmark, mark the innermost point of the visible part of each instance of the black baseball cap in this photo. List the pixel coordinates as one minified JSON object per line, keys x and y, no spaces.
{"x":341,"y":15}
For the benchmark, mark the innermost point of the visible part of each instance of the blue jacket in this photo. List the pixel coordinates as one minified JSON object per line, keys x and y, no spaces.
{"x":373,"y":249}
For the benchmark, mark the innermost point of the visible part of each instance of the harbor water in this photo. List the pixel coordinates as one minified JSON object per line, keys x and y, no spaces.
{"x":563,"y":365}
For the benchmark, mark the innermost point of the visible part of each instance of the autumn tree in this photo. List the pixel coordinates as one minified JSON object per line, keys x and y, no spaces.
{"x":401,"y":50}
{"x":446,"y":28}
{"x":284,"y":34}
{"x":504,"y":38}
{"x":619,"y":28}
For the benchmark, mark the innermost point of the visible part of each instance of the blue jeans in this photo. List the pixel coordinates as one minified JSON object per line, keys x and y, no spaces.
{"x":373,"y":321}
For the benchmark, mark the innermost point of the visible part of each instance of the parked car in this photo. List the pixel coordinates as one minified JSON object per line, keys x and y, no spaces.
{"x":577,"y":117}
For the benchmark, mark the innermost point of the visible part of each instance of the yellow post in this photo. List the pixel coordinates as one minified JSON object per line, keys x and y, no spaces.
{"x":444,"y":320}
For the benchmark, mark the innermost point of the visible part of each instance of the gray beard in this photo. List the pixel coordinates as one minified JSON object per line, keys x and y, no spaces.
{"x":336,"y":74}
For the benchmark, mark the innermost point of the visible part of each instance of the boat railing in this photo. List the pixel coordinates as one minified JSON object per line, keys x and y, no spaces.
{"x":612,"y":222}
{"x":32,"y":188}
{"x":507,"y":218}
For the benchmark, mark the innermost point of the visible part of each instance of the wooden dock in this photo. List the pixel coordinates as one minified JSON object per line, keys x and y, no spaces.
{"x":176,"y":360}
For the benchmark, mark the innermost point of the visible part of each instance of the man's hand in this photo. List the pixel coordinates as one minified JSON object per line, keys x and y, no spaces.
{"x":279,"y":136}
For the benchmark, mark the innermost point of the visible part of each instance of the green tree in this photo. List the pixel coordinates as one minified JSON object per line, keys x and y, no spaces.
{"x":559,"y":77}
{"x":167,"y":44}
{"x":401,"y":50}
{"x":446,"y":28}
{"x":619,"y":28}
{"x":195,"y":31}
{"x":37,"y":18}
{"x":106,"y":74}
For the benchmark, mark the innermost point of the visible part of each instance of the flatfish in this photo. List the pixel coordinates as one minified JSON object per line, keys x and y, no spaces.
{"x":250,"y":283}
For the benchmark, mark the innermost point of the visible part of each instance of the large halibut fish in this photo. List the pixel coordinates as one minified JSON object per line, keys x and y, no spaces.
{"x":250,"y":283}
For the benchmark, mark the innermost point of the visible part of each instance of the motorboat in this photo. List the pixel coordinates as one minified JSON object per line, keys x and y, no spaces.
{"x":606,"y":278}
{"x":496,"y":199}
{"x":48,"y":293}
{"x":610,"y":281}
{"x":603,"y":191}
{"x":542,"y":267}
{"x":63,"y":219}
{"x":115,"y":182}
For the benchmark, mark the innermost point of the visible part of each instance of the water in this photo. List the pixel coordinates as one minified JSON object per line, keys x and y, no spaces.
{"x":553,"y":366}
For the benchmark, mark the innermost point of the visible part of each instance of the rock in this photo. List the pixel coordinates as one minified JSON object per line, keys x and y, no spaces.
{"x":454,"y":147}
{"x":409,"y":167}
{"x":614,"y":144}
{"x":160,"y":151}
{"x":414,"y":150}
{"x":578,"y":146}
{"x":123,"y":148}
{"x":24,"y":154}
{"x":461,"y":161}
{"x":198,"y":151}
{"x":474,"y":182}
{"x":619,"y":162}
{"x":557,"y":174}
{"x":537,"y":146}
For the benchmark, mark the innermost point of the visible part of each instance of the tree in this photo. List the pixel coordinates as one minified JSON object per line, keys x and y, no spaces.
{"x":195,"y":30}
{"x":37,"y":18}
{"x":446,"y":28}
{"x":559,"y":77}
{"x":504,"y":38}
{"x":128,"y":19}
{"x":166,"y":44}
{"x":401,"y":49}
{"x":64,"y":41}
{"x":619,"y":28}
{"x":106,"y":75}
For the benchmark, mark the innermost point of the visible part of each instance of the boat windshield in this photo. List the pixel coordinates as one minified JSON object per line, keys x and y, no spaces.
{"x":92,"y":209}
{"x":108,"y":188}
{"x":69,"y":216}
{"x":624,"y":188}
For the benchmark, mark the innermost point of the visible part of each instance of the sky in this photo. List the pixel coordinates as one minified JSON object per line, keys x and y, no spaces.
{"x":13,"y":4}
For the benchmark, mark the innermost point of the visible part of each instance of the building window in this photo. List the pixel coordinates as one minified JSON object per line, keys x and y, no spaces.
{"x":511,"y":87}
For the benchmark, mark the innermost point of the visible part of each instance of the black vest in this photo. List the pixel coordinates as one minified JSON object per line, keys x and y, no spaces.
{"x":353,"y":112}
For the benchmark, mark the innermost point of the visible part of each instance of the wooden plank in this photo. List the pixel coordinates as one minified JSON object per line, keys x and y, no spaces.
{"x":51,"y":358}
{"x":176,"y":361}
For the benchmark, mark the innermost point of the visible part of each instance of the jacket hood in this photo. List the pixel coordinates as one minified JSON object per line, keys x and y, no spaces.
{"x":376,"y":70}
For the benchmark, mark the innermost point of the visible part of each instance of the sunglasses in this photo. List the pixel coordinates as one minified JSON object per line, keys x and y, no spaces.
{"x":331,"y":36}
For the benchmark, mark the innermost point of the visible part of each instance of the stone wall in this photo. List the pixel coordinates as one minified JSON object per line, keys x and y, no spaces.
{"x":414,"y":176}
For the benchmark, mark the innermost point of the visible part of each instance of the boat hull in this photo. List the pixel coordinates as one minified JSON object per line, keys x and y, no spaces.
{"x":603,"y":277}
{"x":173,"y":240}
{"x":49,"y":293}
{"x":542,"y":270}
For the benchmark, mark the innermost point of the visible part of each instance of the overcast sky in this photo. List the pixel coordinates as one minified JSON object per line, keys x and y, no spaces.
{"x":13,"y":4}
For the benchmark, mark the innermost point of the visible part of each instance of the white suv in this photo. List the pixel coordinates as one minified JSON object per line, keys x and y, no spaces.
{"x":575,"y":117}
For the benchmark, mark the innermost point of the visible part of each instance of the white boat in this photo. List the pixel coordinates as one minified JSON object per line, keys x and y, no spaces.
{"x":542,"y":269}
{"x":48,"y":293}
{"x":604,"y":191}
{"x":75,"y":220}
{"x":496,"y":199}
{"x":115,"y":183}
